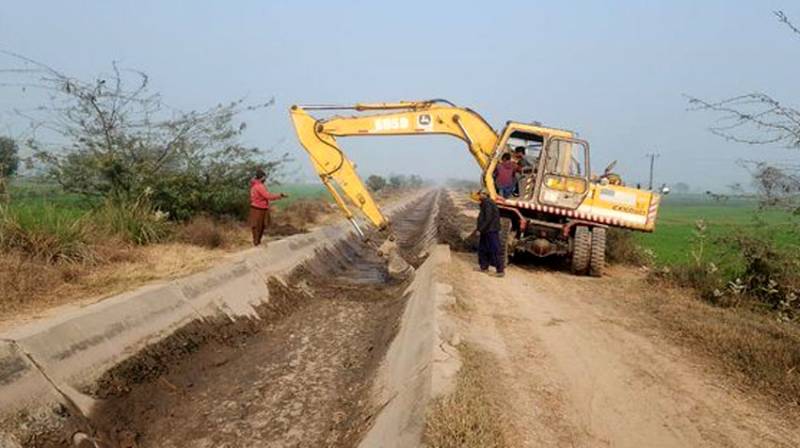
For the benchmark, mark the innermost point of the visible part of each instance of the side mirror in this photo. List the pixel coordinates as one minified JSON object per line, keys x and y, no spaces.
{"x":665,"y":190}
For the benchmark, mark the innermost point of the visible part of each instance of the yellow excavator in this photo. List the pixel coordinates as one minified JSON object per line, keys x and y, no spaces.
{"x":559,"y":208}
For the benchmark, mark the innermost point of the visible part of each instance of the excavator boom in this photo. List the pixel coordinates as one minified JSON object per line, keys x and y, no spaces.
{"x":338,"y":173}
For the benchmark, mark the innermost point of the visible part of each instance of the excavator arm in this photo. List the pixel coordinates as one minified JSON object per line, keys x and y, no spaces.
{"x":338,"y":173}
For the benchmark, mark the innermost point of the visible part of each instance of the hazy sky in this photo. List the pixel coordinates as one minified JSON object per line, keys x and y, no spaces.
{"x":615,"y":71}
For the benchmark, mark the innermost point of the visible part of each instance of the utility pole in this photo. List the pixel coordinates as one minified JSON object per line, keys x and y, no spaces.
{"x":653,"y":156}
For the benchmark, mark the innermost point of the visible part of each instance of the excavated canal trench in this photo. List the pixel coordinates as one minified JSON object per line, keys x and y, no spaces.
{"x":300,"y":376}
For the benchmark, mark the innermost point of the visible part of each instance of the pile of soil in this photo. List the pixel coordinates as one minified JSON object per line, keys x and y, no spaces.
{"x":297,"y":217}
{"x":453,"y":227}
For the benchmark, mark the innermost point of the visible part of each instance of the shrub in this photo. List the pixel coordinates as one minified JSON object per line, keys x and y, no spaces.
{"x":621,"y":247}
{"x":45,"y":233}
{"x":748,"y":266}
{"x":376,"y":183}
{"x":186,"y":195}
{"x":768,"y":272}
{"x":9,"y":157}
{"x":136,"y":222}
{"x":203,"y":231}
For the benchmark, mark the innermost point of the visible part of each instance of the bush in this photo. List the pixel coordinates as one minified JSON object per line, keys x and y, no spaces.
{"x":186,"y":195}
{"x":376,"y":183}
{"x":46,"y":234}
{"x":136,"y":222}
{"x":749,"y":267}
{"x":621,"y":247}
{"x":9,"y":157}
{"x":203,"y":231}
{"x":768,"y":272}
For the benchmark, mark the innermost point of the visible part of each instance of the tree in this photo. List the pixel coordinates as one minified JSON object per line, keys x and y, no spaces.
{"x":681,"y":188}
{"x":397,"y":181}
{"x":759,"y":119}
{"x":117,"y":139}
{"x":415,"y":181}
{"x":9,"y":157}
{"x":376,"y":183}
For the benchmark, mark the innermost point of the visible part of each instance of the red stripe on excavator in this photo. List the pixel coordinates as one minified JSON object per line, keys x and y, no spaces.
{"x":570,"y":213}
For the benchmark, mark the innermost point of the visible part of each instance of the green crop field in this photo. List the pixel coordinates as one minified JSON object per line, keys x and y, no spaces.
{"x":671,"y":241}
{"x":33,"y":196}
{"x":299,"y":192}
{"x":30,"y":198}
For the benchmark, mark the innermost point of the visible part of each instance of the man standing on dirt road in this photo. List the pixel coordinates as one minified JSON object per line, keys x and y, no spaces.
{"x":489,"y":230}
{"x":259,"y":205}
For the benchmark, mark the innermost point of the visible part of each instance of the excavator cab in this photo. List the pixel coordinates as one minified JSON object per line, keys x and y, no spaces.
{"x":565,"y":168}
{"x":557,"y":169}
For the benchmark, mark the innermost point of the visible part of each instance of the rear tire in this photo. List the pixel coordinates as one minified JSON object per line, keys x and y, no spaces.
{"x":507,"y":240}
{"x":581,"y":250}
{"x":597,"y":264}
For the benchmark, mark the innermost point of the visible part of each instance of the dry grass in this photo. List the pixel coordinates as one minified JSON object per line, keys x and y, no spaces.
{"x":753,"y":347}
{"x":29,"y":286}
{"x":210,"y":233}
{"x":51,"y":256}
{"x":298,"y":217}
{"x":470,"y":417}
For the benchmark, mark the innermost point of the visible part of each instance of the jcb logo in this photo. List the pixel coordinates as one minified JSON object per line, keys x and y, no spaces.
{"x":390,"y":124}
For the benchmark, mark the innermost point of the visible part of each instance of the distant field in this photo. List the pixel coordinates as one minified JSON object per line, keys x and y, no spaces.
{"x":31,"y":196}
{"x":299,"y":191}
{"x":678,"y":214}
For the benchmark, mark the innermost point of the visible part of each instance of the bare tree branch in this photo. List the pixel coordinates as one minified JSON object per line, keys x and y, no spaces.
{"x":755,"y":118}
{"x":758,"y":119}
{"x":784,"y":19}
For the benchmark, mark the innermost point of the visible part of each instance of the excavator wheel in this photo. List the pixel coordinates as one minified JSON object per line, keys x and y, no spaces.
{"x":597,"y":262}
{"x":507,"y":240}
{"x":581,"y":250}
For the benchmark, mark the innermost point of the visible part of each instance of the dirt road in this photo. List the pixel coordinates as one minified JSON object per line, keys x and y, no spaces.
{"x":576,"y":368}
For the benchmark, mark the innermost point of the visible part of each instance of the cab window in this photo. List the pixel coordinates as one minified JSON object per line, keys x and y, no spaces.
{"x":567,"y":158}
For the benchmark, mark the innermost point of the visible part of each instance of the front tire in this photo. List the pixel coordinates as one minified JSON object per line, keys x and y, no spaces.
{"x":581,"y":250}
{"x":507,"y":240}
